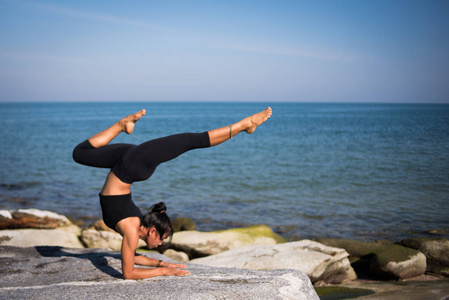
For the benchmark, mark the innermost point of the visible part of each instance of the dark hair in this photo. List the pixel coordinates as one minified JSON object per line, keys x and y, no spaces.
{"x":158,"y":218}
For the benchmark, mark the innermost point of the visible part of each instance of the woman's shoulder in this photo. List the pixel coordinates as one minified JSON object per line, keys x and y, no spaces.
{"x":128,"y":225}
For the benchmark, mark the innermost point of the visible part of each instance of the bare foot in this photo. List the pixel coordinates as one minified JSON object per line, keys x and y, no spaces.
{"x":128,"y":122}
{"x":257,"y":119}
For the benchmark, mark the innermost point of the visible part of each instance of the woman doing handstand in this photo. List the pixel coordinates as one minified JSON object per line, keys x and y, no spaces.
{"x":130,"y":163}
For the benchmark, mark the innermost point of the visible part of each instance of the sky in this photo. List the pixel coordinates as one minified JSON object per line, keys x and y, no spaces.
{"x":187,"y":50}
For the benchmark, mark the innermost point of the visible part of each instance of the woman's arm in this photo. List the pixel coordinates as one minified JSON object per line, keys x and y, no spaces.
{"x":129,"y":245}
{"x":146,"y":261}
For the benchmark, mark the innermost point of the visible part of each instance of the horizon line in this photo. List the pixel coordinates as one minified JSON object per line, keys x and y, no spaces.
{"x":220,"y":102}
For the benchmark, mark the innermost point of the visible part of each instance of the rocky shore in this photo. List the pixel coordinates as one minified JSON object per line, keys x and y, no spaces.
{"x":254,"y":260}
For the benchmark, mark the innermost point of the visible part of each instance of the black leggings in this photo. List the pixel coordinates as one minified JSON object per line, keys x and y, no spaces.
{"x":132,"y":163}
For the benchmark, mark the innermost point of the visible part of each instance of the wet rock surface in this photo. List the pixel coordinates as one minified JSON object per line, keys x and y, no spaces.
{"x":183,"y":224}
{"x":397,"y":262}
{"x":356,"y":248}
{"x":435,"y":249}
{"x":392,"y":290}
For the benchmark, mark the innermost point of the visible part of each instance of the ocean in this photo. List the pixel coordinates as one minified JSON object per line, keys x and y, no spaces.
{"x":357,"y":171}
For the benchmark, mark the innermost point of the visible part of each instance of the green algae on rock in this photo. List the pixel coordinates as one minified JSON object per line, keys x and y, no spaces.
{"x":398,"y":262}
{"x":357,"y":248}
{"x":257,"y":231}
{"x":183,"y":224}
{"x":341,"y":292}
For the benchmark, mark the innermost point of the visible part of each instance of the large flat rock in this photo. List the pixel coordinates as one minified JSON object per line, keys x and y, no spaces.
{"x":319,"y":262}
{"x":61,"y":273}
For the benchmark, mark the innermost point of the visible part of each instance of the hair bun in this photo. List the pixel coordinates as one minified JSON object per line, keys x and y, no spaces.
{"x":158,"y":207}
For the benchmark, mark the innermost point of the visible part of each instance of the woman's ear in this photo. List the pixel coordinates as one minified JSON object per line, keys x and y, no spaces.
{"x":152,"y":230}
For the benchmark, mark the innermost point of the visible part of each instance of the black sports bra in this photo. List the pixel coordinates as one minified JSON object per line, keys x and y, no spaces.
{"x":118,"y":207}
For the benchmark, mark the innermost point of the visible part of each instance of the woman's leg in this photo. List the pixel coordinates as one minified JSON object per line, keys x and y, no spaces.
{"x":140,"y":162}
{"x":126,"y":125}
{"x":96,"y":152}
{"x":249,"y":124}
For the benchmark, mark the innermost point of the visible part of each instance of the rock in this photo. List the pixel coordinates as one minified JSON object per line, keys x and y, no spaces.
{"x":437,"y":232}
{"x":357,"y":248}
{"x":183,"y":224}
{"x":319,"y":262}
{"x":176,"y":255}
{"x":398,"y":262}
{"x":101,"y":239}
{"x":43,"y":232}
{"x":444,"y":271}
{"x":100,"y":225}
{"x":436,"y":251}
{"x":40,"y":237}
{"x":360,"y":253}
{"x":32,"y":218}
{"x":77,"y":222}
{"x":104,"y":239}
{"x":70,"y":228}
{"x":199,"y":244}
{"x":5,"y":214}
{"x":61,"y":273}
{"x":391,"y":290}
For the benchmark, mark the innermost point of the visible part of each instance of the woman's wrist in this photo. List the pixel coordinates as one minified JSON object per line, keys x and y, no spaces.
{"x":159,"y":263}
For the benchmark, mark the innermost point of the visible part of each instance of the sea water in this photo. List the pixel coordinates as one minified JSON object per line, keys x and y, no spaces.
{"x":360,"y":171}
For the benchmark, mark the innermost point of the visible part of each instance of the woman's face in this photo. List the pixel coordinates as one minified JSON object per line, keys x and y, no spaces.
{"x":153,"y":238}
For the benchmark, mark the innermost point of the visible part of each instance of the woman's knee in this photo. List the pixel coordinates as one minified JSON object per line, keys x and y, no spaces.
{"x":78,"y":151}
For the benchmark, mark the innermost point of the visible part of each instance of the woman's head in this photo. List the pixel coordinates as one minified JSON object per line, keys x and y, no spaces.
{"x":157,"y":218}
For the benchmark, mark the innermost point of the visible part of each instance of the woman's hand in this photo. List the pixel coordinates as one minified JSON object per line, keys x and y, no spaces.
{"x":174,"y":269}
{"x":175,"y":272}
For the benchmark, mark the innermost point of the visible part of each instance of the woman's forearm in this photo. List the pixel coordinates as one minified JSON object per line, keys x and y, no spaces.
{"x":142,"y":273}
{"x":146,"y":261}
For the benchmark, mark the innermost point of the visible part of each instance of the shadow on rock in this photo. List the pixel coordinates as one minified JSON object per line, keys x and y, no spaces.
{"x":99,"y":259}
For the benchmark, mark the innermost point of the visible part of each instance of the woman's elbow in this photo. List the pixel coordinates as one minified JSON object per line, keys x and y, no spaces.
{"x":128,"y":275}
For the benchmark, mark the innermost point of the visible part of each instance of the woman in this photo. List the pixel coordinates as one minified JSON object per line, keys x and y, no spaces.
{"x":130,"y":163}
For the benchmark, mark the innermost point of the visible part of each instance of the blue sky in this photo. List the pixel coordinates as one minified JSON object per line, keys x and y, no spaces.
{"x":314,"y":51}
